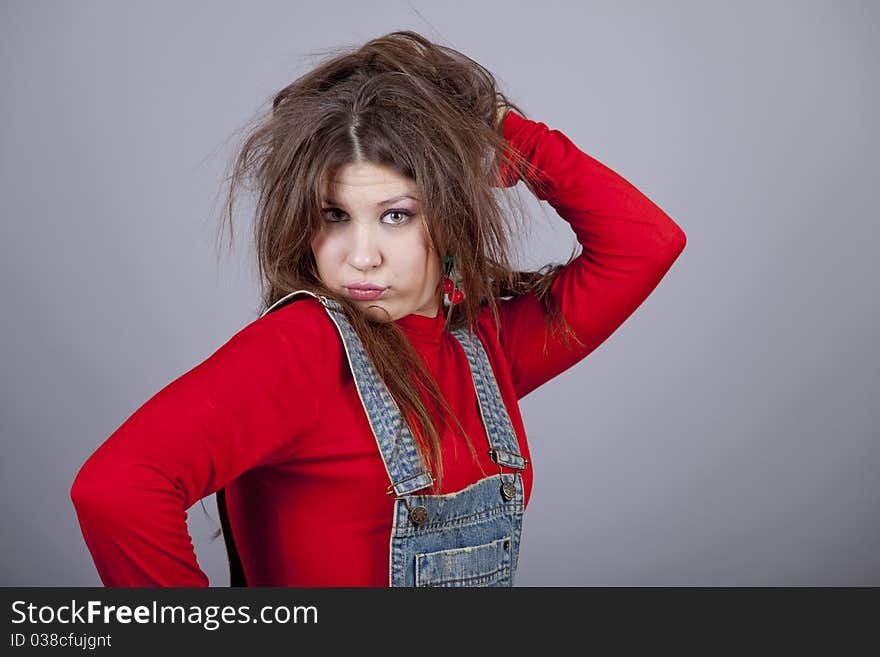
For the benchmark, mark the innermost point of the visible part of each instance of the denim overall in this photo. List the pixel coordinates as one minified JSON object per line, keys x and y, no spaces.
{"x":467,"y":538}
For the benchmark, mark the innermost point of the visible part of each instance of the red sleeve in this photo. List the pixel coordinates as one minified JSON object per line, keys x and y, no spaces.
{"x":245,"y":406}
{"x":628,"y":245}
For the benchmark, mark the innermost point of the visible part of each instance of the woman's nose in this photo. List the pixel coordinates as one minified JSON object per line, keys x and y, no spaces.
{"x":364,"y":249}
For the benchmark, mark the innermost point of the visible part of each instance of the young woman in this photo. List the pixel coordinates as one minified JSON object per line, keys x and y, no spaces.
{"x":364,"y":430}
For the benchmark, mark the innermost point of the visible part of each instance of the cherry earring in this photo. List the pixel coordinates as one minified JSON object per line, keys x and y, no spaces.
{"x":453,"y":294}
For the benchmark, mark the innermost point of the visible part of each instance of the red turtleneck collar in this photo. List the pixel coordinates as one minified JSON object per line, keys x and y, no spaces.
{"x":423,"y":330}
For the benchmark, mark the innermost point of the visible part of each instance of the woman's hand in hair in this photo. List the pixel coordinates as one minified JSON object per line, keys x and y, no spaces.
{"x":500,"y":113}
{"x":508,"y":177}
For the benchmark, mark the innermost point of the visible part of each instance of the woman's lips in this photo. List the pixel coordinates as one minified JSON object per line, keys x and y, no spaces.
{"x":355,"y":293}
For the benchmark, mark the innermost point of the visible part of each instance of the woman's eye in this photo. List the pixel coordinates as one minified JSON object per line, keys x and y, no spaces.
{"x":403,"y":216}
{"x":326,"y":211}
{"x":403,"y":213}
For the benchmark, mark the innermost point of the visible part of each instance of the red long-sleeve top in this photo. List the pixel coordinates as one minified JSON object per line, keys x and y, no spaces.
{"x":275,"y":417}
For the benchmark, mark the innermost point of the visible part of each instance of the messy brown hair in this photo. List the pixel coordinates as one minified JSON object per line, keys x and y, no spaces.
{"x":433,"y":115}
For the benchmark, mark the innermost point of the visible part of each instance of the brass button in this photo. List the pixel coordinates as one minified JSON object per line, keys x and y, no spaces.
{"x":418,"y":515}
{"x":508,"y":490}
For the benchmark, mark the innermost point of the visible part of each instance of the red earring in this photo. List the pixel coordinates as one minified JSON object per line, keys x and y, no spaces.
{"x":453,"y":294}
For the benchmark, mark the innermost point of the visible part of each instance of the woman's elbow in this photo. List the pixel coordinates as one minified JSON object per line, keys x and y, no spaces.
{"x":86,"y":491}
{"x":96,"y":490}
{"x":678,"y":243}
{"x":673,"y":242}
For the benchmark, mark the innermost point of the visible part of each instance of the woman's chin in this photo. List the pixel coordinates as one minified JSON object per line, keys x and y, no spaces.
{"x":377,"y":310}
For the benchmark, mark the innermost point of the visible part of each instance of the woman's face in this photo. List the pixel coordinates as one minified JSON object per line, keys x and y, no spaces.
{"x":374,"y":233}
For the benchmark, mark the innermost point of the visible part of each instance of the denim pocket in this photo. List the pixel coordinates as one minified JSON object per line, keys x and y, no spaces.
{"x":479,"y":565}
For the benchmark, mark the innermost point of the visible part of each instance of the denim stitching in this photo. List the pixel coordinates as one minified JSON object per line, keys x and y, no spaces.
{"x":493,"y":576}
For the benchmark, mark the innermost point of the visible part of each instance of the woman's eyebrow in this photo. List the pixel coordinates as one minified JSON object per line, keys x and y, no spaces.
{"x":380,"y":203}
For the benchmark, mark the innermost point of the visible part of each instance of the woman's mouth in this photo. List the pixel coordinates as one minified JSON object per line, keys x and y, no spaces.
{"x":367,"y":294}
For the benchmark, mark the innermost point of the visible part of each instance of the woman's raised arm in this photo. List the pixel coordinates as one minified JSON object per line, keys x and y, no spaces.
{"x":246,"y":405}
{"x":628,"y":244}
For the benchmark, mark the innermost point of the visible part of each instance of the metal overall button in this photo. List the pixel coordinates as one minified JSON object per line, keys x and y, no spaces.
{"x":508,"y":490}
{"x":418,"y":515}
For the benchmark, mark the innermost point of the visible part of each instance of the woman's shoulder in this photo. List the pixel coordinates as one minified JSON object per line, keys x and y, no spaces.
{"x":488,"y":328}
{"x":486,"y":320}
{"x":302,"y":326}
{"x":511,"y":313}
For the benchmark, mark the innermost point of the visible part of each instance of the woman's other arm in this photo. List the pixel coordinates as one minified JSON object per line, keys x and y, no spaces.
{"x":628,"y":244}
{"x":245,"y":406}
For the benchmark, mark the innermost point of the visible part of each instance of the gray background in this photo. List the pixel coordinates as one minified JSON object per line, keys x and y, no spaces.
{"x":726,"y":434}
